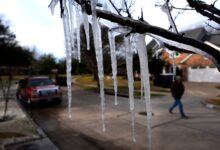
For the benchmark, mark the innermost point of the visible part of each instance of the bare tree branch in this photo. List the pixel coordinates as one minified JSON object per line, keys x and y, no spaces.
{"x":113,"y":5}
{"x":174,"y":7}
{"x":206,"y":10}
{"x":144,"y":27}
{"x":214,"y":2}
{"x":207,"y":23}
{"x":127,"y":9}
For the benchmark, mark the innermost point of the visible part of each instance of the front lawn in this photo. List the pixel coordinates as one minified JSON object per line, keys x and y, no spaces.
{"x":87,"y":82}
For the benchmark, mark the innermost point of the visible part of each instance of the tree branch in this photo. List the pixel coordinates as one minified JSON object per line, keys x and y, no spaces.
{"x":127,"y":9}
{"x":113,"y":5}
{"x":144,"y":27}
{"x":206,"y":10}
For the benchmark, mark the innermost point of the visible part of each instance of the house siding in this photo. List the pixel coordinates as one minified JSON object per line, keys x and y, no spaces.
{"x":203,"y":75}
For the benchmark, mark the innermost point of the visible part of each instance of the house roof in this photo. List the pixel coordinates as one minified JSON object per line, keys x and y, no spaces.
{"x":213,"y":38}
{"x":192,"y":60}
{"x":199,"y":34}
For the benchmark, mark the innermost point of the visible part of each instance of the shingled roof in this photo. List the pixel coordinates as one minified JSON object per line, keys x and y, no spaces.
{"x":199,"y":34}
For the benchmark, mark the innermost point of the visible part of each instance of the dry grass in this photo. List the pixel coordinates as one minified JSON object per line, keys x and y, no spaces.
{"x":87,"y":82}
{"x":214,"y":101}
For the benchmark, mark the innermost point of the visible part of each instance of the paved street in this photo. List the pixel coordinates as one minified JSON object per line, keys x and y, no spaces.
{"x":169,"y":132}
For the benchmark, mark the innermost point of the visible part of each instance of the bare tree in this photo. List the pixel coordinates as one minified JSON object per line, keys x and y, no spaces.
{"x":5,"y":85}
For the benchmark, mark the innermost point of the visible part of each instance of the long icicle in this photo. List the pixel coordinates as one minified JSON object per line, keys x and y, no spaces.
{"x":78,"y":23}
{"x":99,"y":58}
{"x":72,"y":20}
{"x":67,"y":31}
{"x":142,"y":84}
{"x":174,"y":64}
{"x":129,"y":66}
{"x":142,"y":52}
{"x":86,"y":27}
{"x":111,"y":38}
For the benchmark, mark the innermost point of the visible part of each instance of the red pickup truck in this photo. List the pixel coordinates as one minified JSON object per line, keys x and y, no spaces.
{"x":38,"y":88}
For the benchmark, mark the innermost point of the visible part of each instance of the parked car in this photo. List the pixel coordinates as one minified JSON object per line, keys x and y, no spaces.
{"x":38,"y":88}
{"x":163,"y":80}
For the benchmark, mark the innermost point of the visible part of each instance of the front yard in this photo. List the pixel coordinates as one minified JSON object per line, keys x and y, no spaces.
{"x":87,"y":82}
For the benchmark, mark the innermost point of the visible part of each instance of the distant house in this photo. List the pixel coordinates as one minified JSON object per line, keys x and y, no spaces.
{"x":192,"y":67}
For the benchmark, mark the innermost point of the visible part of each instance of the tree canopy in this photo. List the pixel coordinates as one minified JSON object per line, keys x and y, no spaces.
{"x":12,"y":54}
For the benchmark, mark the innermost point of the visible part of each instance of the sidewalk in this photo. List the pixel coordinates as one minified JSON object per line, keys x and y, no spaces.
{"x":20,"y":131}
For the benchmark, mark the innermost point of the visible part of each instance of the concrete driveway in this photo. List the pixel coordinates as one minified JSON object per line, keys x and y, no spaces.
{"x":169,"y":132}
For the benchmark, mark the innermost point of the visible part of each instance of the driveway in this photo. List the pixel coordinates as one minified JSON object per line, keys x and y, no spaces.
{"x":169,"y":132}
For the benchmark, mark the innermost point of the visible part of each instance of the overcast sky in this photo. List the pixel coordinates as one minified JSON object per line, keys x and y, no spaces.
{"x":34,"y":25}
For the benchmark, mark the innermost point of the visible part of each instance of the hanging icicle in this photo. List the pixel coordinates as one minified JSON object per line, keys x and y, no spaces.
{"x":142,"y":52}
{"x":174,"y":64}
{"x":52,"y":5}
{"x":99,"y":58}
{"x":134,"y":49}
{"x":78,"y":23}
{"x":86,"y":27}
{"x":72,"y":20}
{"x":67,"y":31}
{"x":111,"y":39}
{"x":129,"y":66}
{"x":142,"y":85}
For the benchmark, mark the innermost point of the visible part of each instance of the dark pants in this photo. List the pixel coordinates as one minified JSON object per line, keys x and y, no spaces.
{"x":177,"y":102}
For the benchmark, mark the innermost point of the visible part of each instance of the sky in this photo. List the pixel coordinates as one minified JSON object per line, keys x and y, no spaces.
{"x":34,"y":26}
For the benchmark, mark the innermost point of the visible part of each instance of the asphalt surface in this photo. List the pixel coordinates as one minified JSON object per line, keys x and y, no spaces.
{"x":169,"y":132}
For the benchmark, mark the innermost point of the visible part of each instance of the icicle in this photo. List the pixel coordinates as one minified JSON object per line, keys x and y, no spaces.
{"x":142,"y":52}
{"x":78,"y":23}
{"x":111,"y":39}
{"x":86,"y":28}
{"x":71,"y":18}
{"x":157,"y":54}
{"x":129,"y":66}
{"x":52,"y":5}
{"x":174,"y":65}
{"x":67,"y":35}
{"x":142,"y":85}
{"x":99,"y":58}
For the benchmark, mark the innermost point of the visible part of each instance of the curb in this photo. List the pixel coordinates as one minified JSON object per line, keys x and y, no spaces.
{"x":208,"y":105}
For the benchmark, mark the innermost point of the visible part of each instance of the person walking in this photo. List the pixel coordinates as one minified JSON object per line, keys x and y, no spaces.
{"x":177,"y":91}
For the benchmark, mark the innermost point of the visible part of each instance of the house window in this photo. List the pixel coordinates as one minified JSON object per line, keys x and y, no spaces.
{"x":205,"y":58}
{"x":176,"y":55}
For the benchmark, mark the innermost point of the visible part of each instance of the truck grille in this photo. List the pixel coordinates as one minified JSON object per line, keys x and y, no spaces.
{"x":47,"y":92}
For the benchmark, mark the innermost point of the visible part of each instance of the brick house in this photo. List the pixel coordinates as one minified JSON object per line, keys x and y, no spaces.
{"x":193,"y":67}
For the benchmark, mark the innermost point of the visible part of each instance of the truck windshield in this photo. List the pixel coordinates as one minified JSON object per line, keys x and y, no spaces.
{"x":39,"y":82}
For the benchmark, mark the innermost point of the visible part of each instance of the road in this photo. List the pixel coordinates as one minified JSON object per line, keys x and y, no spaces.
{"x":169,"y":132}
